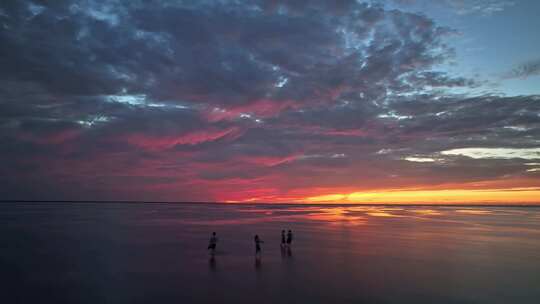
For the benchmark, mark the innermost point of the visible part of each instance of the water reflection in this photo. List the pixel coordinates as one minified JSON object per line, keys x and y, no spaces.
{"x":474,"y":211}
{"x":286,"y":252}
{"x":343,"y":254}
{"x":342,"y":216}
{"x":426,"y":211}
{"x":212,"y":264}
{"x":350,"y":216}
{"x":382,"y":214}
{"x":258,"y":263}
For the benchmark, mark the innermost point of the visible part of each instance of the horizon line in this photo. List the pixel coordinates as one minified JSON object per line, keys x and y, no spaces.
{"x":271,"y":203}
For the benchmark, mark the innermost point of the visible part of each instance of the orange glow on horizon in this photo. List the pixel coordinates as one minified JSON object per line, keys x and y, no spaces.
{"x":503,"y":196}
{"x":447,"y":196}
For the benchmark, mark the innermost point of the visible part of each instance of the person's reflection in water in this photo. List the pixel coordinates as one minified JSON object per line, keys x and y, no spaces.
{"x":286,"y":252}
{"x":258,"y":263}
{"x":212,"y":264}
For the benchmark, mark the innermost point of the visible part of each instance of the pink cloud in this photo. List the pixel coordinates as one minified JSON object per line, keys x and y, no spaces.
{"x":193,"y":138}
{"x":269,"y":161}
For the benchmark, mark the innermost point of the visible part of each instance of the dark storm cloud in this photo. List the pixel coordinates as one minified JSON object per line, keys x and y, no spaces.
{"x":181,"y":100}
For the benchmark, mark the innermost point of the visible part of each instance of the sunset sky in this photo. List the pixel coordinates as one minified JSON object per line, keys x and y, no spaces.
{"x":397,"y":101}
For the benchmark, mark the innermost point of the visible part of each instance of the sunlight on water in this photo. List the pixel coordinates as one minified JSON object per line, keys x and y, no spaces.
{"x":474,"y":211}
{"x":426,"y":211}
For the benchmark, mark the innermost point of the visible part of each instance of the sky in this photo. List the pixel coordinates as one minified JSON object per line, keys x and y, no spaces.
{"x":397,"y":101}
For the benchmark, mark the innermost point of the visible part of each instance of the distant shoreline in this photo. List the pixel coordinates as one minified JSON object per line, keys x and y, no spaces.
{"x":266,"y":204}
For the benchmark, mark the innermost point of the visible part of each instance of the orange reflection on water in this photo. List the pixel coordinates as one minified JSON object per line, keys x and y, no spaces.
{"x":336,"y":216}
{"x":426,"y":211}
{"x":382,"y":214}
{"x":474,"y":211}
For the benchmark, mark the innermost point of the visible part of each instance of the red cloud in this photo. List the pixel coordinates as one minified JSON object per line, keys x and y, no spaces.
{"x":269,"y":161}
{"x":194,"y":138}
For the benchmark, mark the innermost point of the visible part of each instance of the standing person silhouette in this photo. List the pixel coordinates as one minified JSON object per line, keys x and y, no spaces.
{"x":282,"y":238}
{"x":258,"y":242}
{"x":289,"y":238}
{"x":212,"y":244}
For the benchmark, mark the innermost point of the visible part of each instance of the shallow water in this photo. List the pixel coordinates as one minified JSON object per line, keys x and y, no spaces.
{"x":156,"y":253}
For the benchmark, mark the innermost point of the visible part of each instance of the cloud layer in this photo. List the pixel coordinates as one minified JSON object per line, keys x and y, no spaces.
{"x":221,"y":100}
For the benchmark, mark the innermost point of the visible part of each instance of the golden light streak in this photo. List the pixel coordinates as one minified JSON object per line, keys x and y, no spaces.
{"x":327,"y":198}
{"x":529,"y":195}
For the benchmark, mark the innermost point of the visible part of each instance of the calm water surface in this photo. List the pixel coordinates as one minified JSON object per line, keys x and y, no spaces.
{"x":156,"y":253}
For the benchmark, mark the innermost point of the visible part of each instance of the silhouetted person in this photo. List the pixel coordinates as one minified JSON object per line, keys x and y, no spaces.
{"x":258,"y":242}
{"x":289,"y":238}
{"x":212,"y":244}
{"x":282,"y":238}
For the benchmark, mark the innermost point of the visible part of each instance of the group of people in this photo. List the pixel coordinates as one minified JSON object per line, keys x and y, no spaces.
{"x":286,"y":241}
